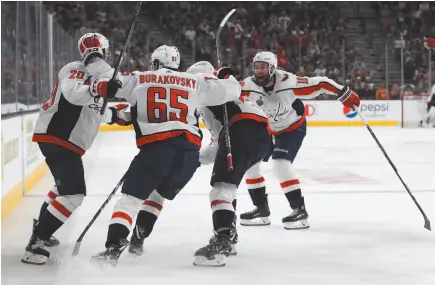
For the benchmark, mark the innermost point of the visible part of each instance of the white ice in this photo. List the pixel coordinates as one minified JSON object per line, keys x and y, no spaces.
{"x":365,"y":229}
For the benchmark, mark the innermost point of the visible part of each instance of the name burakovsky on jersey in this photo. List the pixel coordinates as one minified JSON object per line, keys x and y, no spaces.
{"x":278,"y":93}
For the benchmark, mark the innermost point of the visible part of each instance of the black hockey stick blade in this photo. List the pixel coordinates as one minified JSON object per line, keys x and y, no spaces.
{"x":426,"y":220}
{"x":79,"y":240}
{"x":124,"y":50}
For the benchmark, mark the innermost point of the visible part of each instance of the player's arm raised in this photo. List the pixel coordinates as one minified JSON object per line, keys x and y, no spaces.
{"x":213,"y":91}
{"x":311,"y":87}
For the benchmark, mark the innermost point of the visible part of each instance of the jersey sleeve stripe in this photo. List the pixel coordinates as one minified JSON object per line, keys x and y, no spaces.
{"x":306,"y":91}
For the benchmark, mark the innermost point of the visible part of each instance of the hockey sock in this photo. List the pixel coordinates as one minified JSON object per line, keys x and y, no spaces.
{"x":122,"y":218}
{"x":52,"y":194}
{"x":290,"y":185}
{"x":256,"y":185}
{"x":222,"y":197}
{"x":59,"y":210}
{"x":149,"y":213}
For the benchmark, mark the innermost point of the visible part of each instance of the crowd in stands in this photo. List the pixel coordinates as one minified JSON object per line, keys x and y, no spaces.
{"x":309,"y":39}
{"x":412,"y":21}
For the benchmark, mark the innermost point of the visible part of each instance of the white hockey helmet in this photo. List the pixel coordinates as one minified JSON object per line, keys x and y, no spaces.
{"x":165,"y":56}
{"x":269,"y":58}
{"x":93,"y":43}
{"x":201,"y":67}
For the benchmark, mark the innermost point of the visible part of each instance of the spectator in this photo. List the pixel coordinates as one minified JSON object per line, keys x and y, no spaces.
{"x":382,"y":92}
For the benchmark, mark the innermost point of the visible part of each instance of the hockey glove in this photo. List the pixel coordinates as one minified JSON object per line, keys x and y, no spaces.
{"x":120,"y":116}
{"x":105,"y":87}
{"x":429,"y":42}
{"x":223,"y":72}
{"x":348,"y":97}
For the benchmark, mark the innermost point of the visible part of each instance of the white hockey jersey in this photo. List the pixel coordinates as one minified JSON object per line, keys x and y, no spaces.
{"x":164,"y":102}
{"x":71,"y":117}
{"x":281,"y":105}
{"x":213,"y":119}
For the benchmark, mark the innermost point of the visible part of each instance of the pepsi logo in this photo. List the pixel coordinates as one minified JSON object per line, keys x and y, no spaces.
{"x":348,"y":112}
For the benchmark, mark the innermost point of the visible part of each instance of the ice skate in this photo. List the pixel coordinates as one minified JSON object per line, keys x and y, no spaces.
{"x":35,"y":252}
{"x":112,"y":254}
{"x":215,"y":253}
{"x":257,"y":217}
{"x":136,"y":241}
{"x":298,"y":219}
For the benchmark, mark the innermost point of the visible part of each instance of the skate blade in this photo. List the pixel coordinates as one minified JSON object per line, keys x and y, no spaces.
{"x":35,"y":259}
{"x":299,"y":225}
{"x":219,"y":261}
{"x":263,"y":221}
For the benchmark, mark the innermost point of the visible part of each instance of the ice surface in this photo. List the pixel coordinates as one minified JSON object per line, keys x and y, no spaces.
{"x":365,"y":229}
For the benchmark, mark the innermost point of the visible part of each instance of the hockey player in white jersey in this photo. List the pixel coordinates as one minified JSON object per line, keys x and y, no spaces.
{"x":163,"y":113}
{"x":250,"y":139}
{"x":279,"y":94}
{"x":428,"y":120}
{"x":66,"y":127}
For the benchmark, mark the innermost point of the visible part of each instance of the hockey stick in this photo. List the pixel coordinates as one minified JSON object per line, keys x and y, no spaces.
{"x":103,"y":109}
{"x":127,"y":41}
{"x":426,"y":220}
{"x":79,"y":240}
{"x":219,"y":56}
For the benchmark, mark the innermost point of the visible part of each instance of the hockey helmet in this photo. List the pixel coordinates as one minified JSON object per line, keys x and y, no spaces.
{"x":201,"y":67}
{"x":93,"y":43}
{"x":165,"y":57}
{"x":267,"y":57}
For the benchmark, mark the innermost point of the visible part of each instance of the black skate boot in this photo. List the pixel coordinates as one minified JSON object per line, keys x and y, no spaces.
{"x":52,"y":241}
{"x":112,"y":254}
{"x":136,"y":241}
{"x":298,"y":219}
{"x":234,"y":237}
{"x":215,"y":253}
{"x":35,"y":252}
{"x":257,"y":217}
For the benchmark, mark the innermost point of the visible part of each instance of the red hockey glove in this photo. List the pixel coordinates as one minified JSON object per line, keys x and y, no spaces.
{"x":348,"y":97}
{"x":429,"y":42}
{"x":223,"y":72}
{"x":120,"y":116}
{"x":104,"y":87}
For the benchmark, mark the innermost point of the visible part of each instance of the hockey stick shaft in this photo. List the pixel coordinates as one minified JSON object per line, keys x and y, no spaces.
{"x":225,"y":111}
{"x":426,"y":220}
{"x":124,"y":50}
{"x":79,"y":240}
